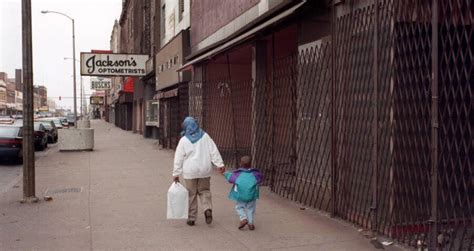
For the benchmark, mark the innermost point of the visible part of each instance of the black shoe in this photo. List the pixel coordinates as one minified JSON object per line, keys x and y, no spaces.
{"x":190,"y":222}
{"x":208,"y":215}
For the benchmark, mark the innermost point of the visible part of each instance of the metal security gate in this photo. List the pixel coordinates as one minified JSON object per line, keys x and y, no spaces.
{"x":373,"y":124}
{"x":355,"y":114}
{"x":313,"y":178}
{"x":455,"y":172}
{"x":404,"y":119}
{"x":173,"y":110}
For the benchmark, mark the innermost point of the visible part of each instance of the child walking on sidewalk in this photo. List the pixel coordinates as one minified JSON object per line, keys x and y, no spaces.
{"x":245,"y":191}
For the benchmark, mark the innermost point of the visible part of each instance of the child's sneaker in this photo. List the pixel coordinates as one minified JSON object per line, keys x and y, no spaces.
{"x":243,"y":223}
{"x":252,"y":227}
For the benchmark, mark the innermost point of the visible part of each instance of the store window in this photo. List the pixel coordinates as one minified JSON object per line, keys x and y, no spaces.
{"x":152,"y":113}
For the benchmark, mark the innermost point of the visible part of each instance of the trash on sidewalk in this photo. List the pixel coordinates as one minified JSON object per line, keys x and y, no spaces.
{"x":384,"y":241}
{"x":48,"y":198}
{"x":376,"y":243}
{"x":177,"y":202}
{"x":387,"y":243}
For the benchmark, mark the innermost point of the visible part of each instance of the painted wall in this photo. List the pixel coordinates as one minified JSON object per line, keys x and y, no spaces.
{"x":207,"y":16}
{"x":174,"y":18}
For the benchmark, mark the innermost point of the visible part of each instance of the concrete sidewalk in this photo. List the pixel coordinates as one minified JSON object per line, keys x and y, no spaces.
{"x":115,"y":198}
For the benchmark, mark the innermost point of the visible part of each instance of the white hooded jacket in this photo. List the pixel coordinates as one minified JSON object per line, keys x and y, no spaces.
{"x":196,"y":160}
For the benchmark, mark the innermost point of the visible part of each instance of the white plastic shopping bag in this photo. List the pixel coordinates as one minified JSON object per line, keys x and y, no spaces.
{"x":177,"y":202}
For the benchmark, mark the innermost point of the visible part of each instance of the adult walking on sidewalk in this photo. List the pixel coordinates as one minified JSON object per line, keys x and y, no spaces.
{"x":195,"y":156}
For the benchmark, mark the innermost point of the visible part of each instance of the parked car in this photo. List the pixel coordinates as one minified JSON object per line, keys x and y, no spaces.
{"x":6,"y":120}
{"x":56,"y":121}
{"x":71,"y":120}
{"x":64,"y":122}
{"x":50,"y":129}
{"x":11,"y":142}
{"x":41,"y":136}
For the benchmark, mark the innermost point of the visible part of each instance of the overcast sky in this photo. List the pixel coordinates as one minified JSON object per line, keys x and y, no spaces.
{"x":52,"y":40}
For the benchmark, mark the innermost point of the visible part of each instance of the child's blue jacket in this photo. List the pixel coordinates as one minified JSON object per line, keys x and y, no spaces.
{"x":245,"y":182}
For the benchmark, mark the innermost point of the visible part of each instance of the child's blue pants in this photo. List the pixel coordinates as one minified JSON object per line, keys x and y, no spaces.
{"x":246,"y":210}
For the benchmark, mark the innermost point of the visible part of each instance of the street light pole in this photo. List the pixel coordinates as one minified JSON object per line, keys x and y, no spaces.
{"x":73,"y":59}
{"x":82,"y":88}
{"x":82,"y":100}
{"x":74,"y":71}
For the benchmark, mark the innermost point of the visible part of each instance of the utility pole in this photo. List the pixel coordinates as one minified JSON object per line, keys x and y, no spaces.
{"x":28,"y":133}
{"x":74,"y":71}
{"x":82,"y":99}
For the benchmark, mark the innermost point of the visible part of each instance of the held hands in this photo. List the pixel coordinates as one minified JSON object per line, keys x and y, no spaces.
{"x":221,"y":170}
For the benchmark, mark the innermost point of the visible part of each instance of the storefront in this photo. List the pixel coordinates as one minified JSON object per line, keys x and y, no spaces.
{"x":124,"y":105}
{"x":172,"y":88}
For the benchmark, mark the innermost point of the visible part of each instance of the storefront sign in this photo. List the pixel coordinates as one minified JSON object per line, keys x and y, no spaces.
{"x":110,"y":64}
{"x":44,"y":109}
{"x":97,"y":100}
{"x":101,"y":83}
{"x":98,"y":93}
{"x":168,"y":94}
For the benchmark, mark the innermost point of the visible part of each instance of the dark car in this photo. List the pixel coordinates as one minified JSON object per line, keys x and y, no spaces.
{"x":41,"y":136}
{"x":50,"y":129}
{"x":11,"y":142}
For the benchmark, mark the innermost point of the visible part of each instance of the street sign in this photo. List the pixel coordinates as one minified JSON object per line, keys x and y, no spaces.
{"x":111,"y":64}
{"x":96,"y":100}
{"x":101,"y":83}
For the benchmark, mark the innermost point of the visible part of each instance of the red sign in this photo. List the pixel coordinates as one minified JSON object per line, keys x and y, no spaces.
{"x":128,"y":85}
{"x":101,"y":51}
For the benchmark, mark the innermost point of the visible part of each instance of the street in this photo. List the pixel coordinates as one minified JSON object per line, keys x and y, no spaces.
{"x":11,"y":173}
{"x":115,"y":198}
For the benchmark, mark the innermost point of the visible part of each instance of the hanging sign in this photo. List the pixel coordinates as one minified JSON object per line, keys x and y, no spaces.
{"x":96,"y":100}
{"x":111,"y":64}
{"x":101,"y":84}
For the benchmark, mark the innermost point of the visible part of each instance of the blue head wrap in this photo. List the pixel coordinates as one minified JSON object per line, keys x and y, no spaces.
{"x":191,"y":130}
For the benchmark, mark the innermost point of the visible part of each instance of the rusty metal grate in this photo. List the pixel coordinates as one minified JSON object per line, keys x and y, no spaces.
{"x":373,"y":124}
{"x":411,"y":141}
{"x":313,"y":147}
{"x":455,"y":198}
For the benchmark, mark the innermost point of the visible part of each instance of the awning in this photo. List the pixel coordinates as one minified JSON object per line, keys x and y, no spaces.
{"x":242,"y":37}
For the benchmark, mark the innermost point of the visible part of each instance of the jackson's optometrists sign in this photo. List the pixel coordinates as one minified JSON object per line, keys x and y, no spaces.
{"x":111,"y":64}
